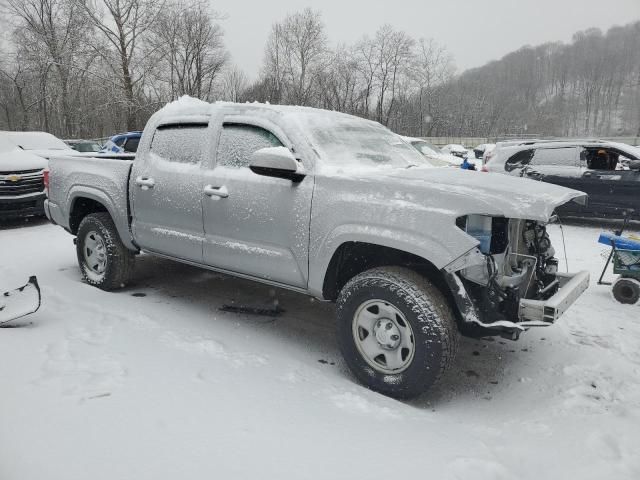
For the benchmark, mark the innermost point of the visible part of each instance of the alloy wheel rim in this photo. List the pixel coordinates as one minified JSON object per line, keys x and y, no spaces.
{"x":383,"y":336}
{"x":94,"y":251}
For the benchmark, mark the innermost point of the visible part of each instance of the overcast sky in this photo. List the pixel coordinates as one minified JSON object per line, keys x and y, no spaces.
{"x":474,"y":31}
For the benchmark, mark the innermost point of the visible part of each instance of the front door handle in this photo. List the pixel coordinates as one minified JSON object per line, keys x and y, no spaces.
{"x":145,"y":182}
{"x":212,"y":191}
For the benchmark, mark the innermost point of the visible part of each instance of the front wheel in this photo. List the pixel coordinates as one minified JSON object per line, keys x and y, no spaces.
{"x":396,"y":331}
{"x":104,"y":260}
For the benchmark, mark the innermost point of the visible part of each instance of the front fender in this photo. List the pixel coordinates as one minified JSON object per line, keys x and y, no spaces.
{"x":440,"y":250}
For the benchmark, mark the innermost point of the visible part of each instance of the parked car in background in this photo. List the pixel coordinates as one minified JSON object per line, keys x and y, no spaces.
{"x":480,"y":150}
{"x":608,"y":172}
{"x":42,"y":144}
{"x":455,"y":149}
{"x":433,"y":154}
{"x":84,"y":146}
{"x":122,"y":143}
{"x":21,"y":182}
{"x":333,"y":206}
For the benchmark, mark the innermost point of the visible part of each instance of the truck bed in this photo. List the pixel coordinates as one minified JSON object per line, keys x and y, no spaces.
{"x":103,"y":179}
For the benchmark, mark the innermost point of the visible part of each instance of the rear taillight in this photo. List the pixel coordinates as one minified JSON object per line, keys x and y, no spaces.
{"x":484,"y":168}
{"x":45,"y":176}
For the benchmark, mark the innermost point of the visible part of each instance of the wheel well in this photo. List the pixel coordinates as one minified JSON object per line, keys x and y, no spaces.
{"x":81,"y":208}
{"x":352,"y":258}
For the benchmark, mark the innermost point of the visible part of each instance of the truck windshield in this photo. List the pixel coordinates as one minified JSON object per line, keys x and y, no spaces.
{"x":349,"y":143}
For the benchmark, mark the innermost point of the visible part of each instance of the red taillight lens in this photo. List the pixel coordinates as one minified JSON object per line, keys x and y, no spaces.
{"x":46,"y":181}
{"x":484,"y":168}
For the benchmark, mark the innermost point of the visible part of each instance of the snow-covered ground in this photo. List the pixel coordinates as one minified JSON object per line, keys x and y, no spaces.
{"x":156,"y":382}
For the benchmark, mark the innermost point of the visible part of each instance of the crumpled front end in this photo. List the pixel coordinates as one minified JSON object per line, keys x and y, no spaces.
{"x":510,"y":282}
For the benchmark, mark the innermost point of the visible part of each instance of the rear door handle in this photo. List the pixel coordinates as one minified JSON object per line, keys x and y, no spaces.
{"x":145,"y":182}
{"x":211,"y":191}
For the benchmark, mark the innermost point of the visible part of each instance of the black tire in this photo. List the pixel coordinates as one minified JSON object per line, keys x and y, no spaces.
{"x":425,"y":309}
{"x":119,"y":261}
{"x":626,"y":290}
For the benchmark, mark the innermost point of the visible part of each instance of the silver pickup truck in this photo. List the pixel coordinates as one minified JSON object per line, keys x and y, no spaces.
{"x":332,"y":206}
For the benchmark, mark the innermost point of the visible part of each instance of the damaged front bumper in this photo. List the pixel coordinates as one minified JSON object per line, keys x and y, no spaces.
{"x":531,"y":313}
{"x":545,"y":312}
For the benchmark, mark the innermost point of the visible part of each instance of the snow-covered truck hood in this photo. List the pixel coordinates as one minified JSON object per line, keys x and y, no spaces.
{"x":17,"y":160}
{"x":469,"y":192}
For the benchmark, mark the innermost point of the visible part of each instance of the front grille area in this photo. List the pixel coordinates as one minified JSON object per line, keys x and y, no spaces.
{"x":21,"y":183}
{"x":7,"y":207}
{"x":20,"y":172}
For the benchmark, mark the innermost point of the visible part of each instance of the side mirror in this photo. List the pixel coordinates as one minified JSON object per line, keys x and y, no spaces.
{"x":276,"y":162}
{"x":634,"y":165}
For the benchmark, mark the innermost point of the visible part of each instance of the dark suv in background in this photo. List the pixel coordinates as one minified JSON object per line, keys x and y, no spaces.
{"x":608,"y":172}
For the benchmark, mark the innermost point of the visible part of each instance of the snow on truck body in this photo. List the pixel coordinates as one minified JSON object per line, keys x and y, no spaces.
{"x":333,"y":206}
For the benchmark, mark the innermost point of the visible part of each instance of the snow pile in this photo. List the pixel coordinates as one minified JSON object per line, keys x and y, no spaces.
{"x":186,"y":105}
{"x":165,"y":385}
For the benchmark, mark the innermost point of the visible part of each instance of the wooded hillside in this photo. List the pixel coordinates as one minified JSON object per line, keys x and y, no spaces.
{"x":90,"y":68}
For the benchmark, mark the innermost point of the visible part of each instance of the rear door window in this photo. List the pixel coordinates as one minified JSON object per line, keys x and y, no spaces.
{"x":239,"y":141}
{"x":179,"y":143}
{"x":560,"y":157}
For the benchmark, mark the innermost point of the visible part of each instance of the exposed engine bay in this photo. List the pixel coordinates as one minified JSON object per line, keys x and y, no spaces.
{"x":518,"y":263}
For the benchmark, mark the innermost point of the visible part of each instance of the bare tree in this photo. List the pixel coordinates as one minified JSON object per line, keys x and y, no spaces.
{"x":295,"y":52}
{"x":123,"y":23}
{"x":432,"y":67}
{"x":189,"y":47}
{"x":51,"y":32}
{"x":234,"y":84}
{"x":393,"y":53}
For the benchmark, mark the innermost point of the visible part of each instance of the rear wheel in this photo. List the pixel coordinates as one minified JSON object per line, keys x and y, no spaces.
{"x":396,"y":331}
{"x":104,"y":260}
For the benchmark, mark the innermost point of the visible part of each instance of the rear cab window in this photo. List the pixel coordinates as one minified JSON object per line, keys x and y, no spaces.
{"x":180,"y":143}
{"x":560,"y":157}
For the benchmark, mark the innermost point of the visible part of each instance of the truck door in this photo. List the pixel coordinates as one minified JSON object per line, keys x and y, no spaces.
{"x":166,"y":192}
{"x":255,"y":225}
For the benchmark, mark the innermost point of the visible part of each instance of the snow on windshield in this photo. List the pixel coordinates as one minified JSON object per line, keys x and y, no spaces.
{"x":424,"y":148}
{"x":37,"y":141}
{"x":345,"y":142}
